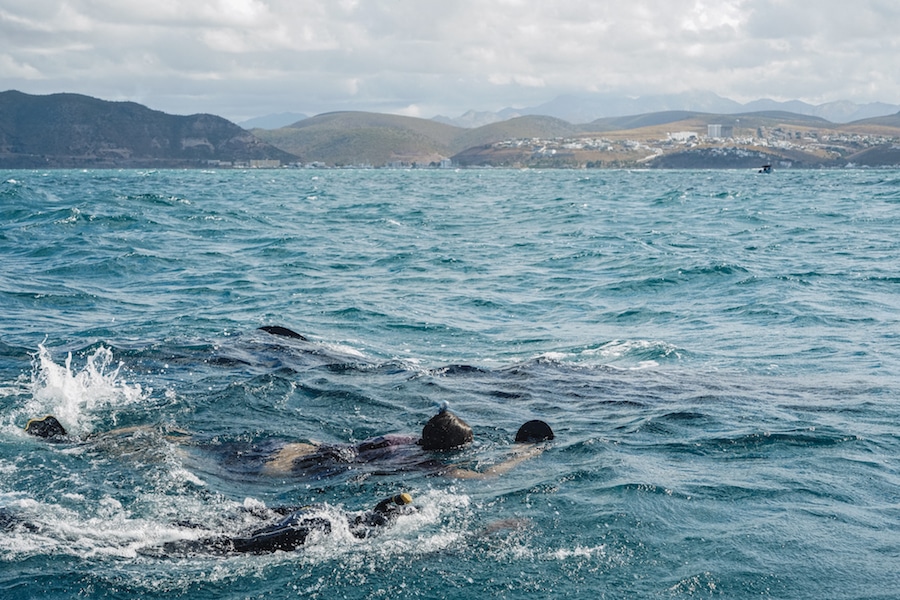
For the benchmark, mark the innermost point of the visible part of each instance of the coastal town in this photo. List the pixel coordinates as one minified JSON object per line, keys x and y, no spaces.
{"x":715,"y":146}
{"x":719,"y":145}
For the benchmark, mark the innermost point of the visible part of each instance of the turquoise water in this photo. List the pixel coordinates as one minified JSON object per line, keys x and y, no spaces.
{"x":717,"y":351}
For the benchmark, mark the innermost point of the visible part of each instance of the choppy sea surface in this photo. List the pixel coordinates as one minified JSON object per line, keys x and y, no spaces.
{"x":718,"y":353}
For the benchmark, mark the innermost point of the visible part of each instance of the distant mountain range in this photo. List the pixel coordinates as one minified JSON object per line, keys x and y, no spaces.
{"x":586,"y":108}
{"x":74,"y":131}
{"x":71,"y":130}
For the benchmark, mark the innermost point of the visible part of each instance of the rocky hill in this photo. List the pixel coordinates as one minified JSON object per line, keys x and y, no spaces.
{"x":362,"y":138}
{"x":71,"y":130}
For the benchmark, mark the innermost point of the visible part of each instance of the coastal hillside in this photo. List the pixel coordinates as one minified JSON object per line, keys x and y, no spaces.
{"x":74,"y":131}
{"x":71,"y":130}
{"x":670,"y":139}
{"x":363,"y":138}
{"x":667,"y":118}
{"x":531,"y":126}
{"x":694,"y":140}
{"x":878,"y":125}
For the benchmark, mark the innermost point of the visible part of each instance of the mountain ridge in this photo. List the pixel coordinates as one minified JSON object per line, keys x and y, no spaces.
{"x":73,"y":130}
{"x":585,"y":108}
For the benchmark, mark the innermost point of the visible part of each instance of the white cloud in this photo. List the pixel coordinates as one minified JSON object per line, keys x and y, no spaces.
{"x":17,"y":69}
{"x":241,"y":58}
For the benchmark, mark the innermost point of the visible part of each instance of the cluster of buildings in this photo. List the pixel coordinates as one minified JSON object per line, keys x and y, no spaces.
{"x":824,"y":144}
{"x":245,"y":164}
{"x":817,"y":147}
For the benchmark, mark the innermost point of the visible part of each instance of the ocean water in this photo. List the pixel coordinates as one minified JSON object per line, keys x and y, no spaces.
{"x":718,"y":353}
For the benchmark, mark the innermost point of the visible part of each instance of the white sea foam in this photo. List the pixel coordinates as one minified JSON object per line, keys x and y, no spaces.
{"x":617,"y":350}
{"x":74,"y":396}
{"x":344,"y":349}
{"x":86,"y":527}
{"x":91,"y":528}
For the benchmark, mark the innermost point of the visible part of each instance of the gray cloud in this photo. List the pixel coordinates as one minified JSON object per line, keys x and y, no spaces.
{"x":242,"y":58}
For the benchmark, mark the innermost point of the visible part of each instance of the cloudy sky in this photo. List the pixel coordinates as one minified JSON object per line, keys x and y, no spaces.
{"x":247,"y":58}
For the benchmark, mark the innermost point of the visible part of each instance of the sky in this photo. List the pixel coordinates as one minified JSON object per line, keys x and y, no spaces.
{"x":247,"y":58}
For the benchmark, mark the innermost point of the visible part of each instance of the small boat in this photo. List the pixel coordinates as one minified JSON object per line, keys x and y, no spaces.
{"x":765,"y":169}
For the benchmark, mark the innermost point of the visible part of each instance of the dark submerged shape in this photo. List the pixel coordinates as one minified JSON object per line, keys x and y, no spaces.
{"x":47,"y":427}
{"x":445,"y":431}
{"x":292,"y":531}
{"x":283,"y":332}
{"x":534,"y":431}
{"x":288,"y":534}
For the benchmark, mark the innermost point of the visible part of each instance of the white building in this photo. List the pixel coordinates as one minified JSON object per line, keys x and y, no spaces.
{"x":718,"y":131}
{"x":682,"y":136}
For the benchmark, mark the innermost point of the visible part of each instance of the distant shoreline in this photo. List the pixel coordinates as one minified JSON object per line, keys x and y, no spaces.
{"x":70,"y":131}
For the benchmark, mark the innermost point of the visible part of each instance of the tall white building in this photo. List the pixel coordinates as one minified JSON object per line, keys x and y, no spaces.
{"x":718,"y":131}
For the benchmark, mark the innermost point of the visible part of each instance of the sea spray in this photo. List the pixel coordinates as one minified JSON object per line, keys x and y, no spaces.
{"x":78,"y":397}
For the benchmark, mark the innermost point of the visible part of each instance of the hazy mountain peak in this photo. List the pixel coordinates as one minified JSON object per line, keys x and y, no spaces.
{"x":585,"y":108}
{"x":273,"y":121}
